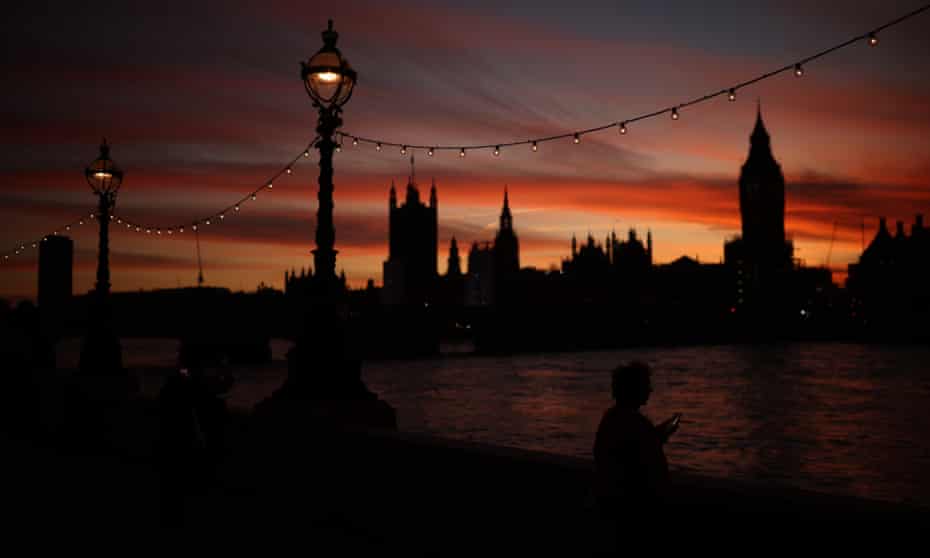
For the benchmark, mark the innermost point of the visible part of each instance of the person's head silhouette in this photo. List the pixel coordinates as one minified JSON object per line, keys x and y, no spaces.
{"x":631,"y":384}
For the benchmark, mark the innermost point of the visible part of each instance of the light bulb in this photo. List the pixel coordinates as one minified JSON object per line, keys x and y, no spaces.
{"x":462,"y":152}
{"x":207,"y":222}
{"x":254,"y":197}
{"x":675,"y":113}
{"x":180,"y":229}
{"x":270,"y":185}
{"x":194,"y":227}
{"x":222,"y":216}
{"x":534,"y":147}
{"x":289,"y":170}
{"x":338,"y":147}
{"x":403,"y":150}
{"x":732,"y":94}
{"x":430,"y":152}
{"x":576,"y":138}
{"x":354,"y":141}
{"x":307,"y":153}
{"x":237,"y":208}
{"x":158,"y":231}
{"x":170,"y":232}
{"x":148,"y":231}
{"x":623,"y":128}
{"x":497,"y":150}
{"x":378,"y":147}
{"x":873,"y":40}
{"x":798,"y":70}
{"x":68,"y":227}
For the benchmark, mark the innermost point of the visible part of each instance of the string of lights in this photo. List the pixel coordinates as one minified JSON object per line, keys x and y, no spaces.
{"x":34,"y":244}
{"x":217,"y":216}
{"x":170,"y":230}
{"x":622,"y":126}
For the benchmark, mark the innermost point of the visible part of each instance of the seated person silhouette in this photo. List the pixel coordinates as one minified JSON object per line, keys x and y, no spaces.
{"x":630,"y":467}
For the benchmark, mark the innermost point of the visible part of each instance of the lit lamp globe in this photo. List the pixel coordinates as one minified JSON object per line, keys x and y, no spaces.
{"x":327,"y":76}
{"x":103,"y":176}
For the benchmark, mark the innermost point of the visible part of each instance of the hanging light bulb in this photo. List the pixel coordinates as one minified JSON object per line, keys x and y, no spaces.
{"x":119,"y":221}
{"x":170,"y":232}
{"x":497,"y":150}
{"x":148,"y":231}
{"x":158,"y":231}
{"x":798,"y":70}
{"x":81,"y":222}
{"x":222,"y":216}
{"x":67,"y":227}
{"x":462,"y":152}
{"x":576,"y":138}
{"x":33,"y":244}
{"x":254,"y":197}
{"x":194,"y":227}
{"x":355,"y":142}
{"x":623,"y":128}
{"x":534,"y":147}
{"x":270,"y":185}
{"x":403,"y":150}
{"x":180,"y":230}
{"x":732,"y":95}
{"x":430,"y":152}
{"x":675,"y":113}
{"x":207,"y":222}
{"x":289,"y":170}
{"x":338,"y":147}
{"x":237,"y":207}
{"x":306,"y":153}
{"x":873,"y":39}
{"x":378,"y":147}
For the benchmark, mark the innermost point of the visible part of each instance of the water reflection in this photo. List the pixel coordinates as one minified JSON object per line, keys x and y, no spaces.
{"x":832,"y":417}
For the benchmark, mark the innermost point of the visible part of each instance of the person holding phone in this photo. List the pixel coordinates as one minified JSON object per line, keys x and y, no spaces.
{"x":630,"y":466}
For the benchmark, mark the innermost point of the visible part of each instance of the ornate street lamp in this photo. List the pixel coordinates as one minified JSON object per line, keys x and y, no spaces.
{"x":329,"y":80}
{"x":101,"y":353}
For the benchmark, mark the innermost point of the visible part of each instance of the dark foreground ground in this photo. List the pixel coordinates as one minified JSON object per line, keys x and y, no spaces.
{"x":362,"y":491}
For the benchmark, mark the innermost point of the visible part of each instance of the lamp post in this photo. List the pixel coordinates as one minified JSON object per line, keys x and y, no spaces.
{"x":329,"y":81}
{"x":101,"y":354}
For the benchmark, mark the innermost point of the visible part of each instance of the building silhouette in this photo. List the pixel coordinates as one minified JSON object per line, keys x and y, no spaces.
{"x":479,"y":279}
{"x":56,"y":258}
{"x":615,"y":261}
{"x":410,"y":272}
{"x":762,"y":254}
{"x":506,"y":244}
{"x":493,"y":267}
{"x":888,"y":285}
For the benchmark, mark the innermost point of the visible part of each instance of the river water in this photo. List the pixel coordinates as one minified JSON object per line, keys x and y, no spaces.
{"x":840,"y":418}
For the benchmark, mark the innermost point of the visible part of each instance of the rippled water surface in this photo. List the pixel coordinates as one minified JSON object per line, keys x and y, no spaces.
{"x":840,"y":418}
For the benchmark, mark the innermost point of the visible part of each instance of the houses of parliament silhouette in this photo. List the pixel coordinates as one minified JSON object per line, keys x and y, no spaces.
{"x":605,"y":294}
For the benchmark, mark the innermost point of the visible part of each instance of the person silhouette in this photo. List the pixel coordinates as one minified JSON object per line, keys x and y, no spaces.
{"x":192,"y":418}
{"x":631,"y":470}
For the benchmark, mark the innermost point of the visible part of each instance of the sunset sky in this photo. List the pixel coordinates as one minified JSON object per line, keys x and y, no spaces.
{"x":202,"y":102}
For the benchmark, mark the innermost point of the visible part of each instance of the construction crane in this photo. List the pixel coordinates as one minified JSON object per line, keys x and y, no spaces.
{"x":199,"y":262}
{"x":830,"y":249}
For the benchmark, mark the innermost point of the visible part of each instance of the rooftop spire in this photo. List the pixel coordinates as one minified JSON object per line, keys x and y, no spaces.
{"x":759,"y":133}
